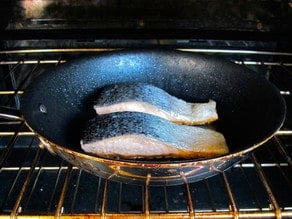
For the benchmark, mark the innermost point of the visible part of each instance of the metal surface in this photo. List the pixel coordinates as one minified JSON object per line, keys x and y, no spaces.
{"x":242,"y":97}
{"x":40,"y":185}
{"x":142,"y":19}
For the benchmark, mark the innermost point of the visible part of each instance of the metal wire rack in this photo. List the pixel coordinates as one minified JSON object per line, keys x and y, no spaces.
{"x":36,"y":183}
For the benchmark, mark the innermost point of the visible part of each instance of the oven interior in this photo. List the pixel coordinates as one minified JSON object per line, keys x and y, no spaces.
{"x":34,"y":183}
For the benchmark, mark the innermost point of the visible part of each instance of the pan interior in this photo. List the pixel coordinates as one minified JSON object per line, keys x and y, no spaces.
{"x":59,"y":102}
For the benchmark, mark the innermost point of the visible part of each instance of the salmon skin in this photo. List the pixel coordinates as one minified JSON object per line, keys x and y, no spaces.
{"x":146,"y":98}
{"x":139,"y":135}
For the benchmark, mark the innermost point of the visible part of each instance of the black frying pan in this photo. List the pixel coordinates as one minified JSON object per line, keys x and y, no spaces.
{"x":57,"y":104}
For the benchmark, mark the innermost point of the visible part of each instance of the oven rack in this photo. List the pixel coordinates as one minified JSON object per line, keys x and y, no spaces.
{"x":36,"y":183}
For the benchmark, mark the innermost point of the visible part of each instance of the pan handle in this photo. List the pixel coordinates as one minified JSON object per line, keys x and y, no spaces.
{"x":10,"y":113}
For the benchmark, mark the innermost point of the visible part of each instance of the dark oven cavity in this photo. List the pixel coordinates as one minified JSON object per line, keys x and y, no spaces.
{"x":34,"y":182}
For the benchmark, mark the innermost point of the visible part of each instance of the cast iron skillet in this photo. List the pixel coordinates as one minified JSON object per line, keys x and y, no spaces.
{"x":57,"y":104}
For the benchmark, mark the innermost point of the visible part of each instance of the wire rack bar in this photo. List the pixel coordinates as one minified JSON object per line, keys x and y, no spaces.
{"x":17,"y":133}
{"x":104,"y":199}
{"x":19,"y":170}
{"x":277,"y":163}
{"x":288,"y":64}
{"x":23,"y":168}
{"x":251,"y":188}
{"x":11,"y":69}
{"x":55,"y":188}
{"x":14,"y":86}
{"x":63,"y":192}
{"x":10,"y":145}
{"x":188,"y":196}
{"x":58,"y":50}
{"x":282,"y":150}
{"x":275,"y":205}
{"x":146,"y":197}
{"x":16,"y":209}
{"x":80,"y":50}
{"x":241,"y":62}
{"x":20,"y":86}
{"x":9,"y":92}
{"x":76,"y":189}
{"x":20,"y":92}
{"x":233,"y":206}
{"x":96,"y":205}
{"x":236,"y":51}
{"x":210,"y":195}
{"x":165,"y":199}
{"x":31,"y":62}
{"x":52,"y":168}
{"x":284,"y":132}
{"x":179,"y":215}
{"x":24,"y":205}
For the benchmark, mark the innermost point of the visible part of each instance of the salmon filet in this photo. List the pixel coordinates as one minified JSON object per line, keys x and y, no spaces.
{"x":149,"y":99}
{"x":139,"y":135}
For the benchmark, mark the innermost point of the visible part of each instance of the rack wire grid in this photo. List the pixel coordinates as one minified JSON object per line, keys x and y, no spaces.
{"x":34,"y":183}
